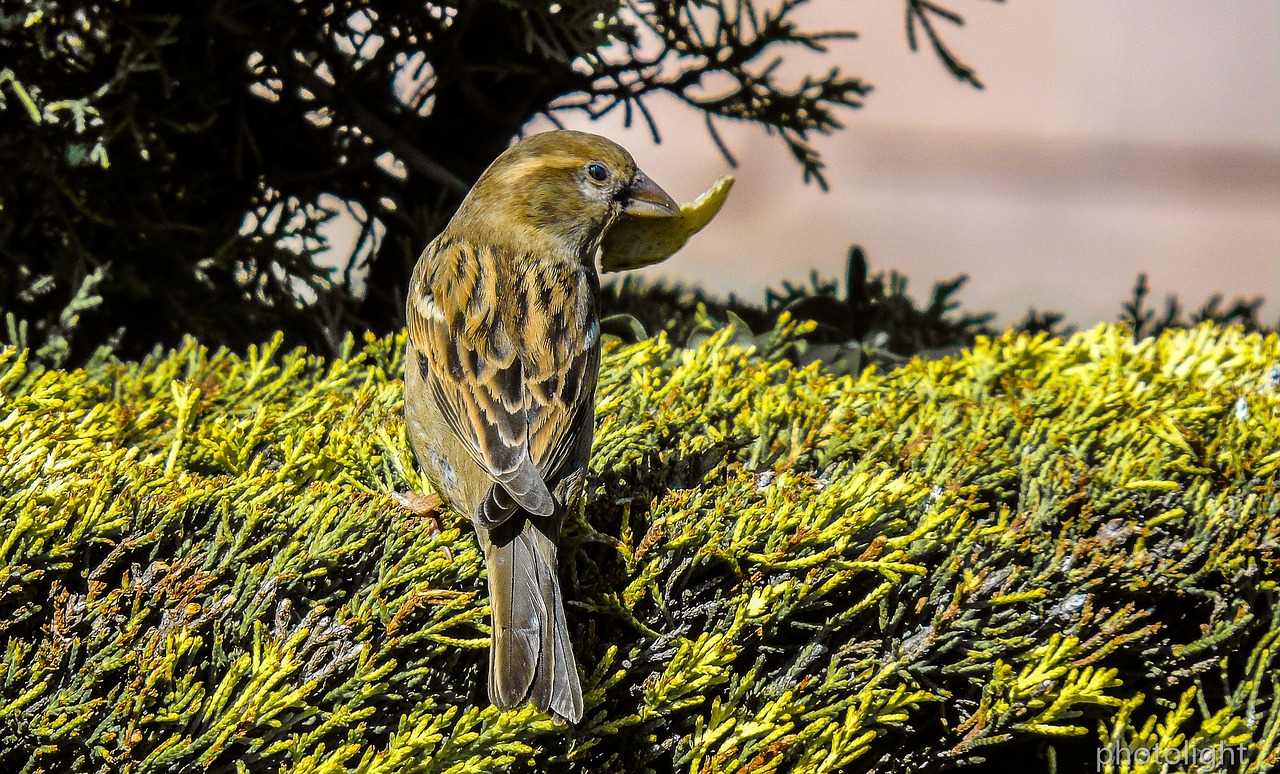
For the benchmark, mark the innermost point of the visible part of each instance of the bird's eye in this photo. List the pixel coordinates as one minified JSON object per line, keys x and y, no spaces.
{"x":597,"y":172}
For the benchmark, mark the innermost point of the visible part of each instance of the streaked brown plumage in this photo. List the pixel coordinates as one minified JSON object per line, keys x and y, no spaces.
{"x":504,"y":350}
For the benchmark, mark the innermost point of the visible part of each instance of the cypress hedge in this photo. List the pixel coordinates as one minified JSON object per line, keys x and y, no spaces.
{"x":1048,"y":552}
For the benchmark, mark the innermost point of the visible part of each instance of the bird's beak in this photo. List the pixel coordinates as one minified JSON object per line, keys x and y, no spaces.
{"x":646,"y":200}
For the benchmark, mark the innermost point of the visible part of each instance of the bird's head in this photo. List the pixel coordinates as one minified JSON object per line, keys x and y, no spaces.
{"x":567,"y":186}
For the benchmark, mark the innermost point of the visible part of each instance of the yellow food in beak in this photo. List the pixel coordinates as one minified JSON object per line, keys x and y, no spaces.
{"x":643,"y":237}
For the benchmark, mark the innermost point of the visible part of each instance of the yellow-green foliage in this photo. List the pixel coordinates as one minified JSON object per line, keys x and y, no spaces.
{"x":1020,"y":554}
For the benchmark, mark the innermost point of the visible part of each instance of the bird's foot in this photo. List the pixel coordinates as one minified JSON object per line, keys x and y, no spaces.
{"x":425,"y":507}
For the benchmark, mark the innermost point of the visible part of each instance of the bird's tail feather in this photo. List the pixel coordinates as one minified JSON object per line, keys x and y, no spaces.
{"x":531,"y":658}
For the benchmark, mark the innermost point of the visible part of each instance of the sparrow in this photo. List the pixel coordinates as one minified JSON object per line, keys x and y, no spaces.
{"x":500,"y":378}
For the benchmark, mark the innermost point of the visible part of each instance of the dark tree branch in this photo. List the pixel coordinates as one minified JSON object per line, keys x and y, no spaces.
{"x":379,"y":130}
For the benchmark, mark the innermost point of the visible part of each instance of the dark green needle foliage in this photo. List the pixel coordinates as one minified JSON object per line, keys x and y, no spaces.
{"x":873,"y":319}
{"x":174,"y":162}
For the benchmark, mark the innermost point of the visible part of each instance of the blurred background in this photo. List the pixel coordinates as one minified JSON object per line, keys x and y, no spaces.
{"x":1111,"y":139}
{"x":233,"y":171}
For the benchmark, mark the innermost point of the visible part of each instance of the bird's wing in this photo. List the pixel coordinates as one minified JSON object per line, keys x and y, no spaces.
{"x":559,"y":301}
{"x":513,"y":399}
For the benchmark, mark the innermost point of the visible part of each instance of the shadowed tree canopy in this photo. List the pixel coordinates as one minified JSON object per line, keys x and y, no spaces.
{"x":167,"y":167}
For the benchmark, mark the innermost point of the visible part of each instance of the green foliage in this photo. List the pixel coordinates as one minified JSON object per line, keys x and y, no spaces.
{"x":1013,"y":555}
{"x":55,"y":334}
{"x":875,"y":321}
{"x":1143,"y":320}
{"x":190,"y":153}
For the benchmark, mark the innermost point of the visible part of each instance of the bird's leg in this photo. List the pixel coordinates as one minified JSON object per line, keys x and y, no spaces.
{"x":417,"y":503}
{"x":424,"y":506}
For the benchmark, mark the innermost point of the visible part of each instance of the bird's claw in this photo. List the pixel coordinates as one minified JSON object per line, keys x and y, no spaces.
{"x":425,"y":507}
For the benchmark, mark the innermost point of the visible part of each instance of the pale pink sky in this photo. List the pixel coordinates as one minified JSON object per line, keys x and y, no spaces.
{"x":1139,"y":136}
